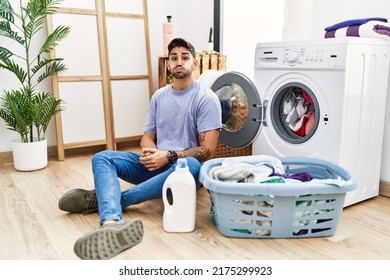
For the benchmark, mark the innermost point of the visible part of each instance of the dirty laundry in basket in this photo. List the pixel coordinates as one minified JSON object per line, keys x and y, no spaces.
{"x":290,"y":209}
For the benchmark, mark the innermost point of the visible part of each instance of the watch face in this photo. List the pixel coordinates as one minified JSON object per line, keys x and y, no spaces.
{"x":174,"y":156}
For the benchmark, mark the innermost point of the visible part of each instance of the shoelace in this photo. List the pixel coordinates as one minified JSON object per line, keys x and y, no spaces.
{"x":91,"y":201}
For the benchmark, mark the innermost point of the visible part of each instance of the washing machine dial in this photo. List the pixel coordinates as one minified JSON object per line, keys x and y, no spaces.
{"x":292,"y":56}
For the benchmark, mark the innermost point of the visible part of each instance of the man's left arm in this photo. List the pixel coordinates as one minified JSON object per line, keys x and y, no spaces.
{"x":208,"y":141}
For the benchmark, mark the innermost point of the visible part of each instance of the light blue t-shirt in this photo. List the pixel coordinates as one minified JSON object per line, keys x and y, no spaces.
{"x":176,"y":117}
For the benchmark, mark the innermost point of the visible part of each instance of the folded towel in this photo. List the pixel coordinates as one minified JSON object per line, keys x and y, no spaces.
{"x":353,"y":22}
{"x":372,"y":29}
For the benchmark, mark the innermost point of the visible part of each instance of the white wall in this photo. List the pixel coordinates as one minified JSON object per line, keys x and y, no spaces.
{"x":246,"y":23}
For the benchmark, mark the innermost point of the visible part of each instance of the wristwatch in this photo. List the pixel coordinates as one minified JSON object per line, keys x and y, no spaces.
{"x":173,"y":156}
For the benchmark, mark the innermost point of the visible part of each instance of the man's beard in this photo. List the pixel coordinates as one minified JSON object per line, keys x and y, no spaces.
{"x":182,"y":74}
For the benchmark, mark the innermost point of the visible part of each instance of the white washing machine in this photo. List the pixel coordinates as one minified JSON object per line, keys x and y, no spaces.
{"x":323,"y":99}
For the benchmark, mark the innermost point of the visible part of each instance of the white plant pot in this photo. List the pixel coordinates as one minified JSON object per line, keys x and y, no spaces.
{"x":29,"y":156}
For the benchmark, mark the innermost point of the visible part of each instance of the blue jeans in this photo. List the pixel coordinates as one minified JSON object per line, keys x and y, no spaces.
{"x":108,"y":166}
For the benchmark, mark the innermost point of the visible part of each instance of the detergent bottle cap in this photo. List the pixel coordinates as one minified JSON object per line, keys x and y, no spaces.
{"x":181,"y":163}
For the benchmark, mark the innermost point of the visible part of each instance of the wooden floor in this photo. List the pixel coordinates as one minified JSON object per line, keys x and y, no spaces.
{"x":33,"y":228}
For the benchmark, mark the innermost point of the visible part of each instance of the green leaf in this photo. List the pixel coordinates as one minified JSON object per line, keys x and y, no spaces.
{"x":44,"y":106}
{"x":15,"y":111}
{"x":33,"y":27}
{"x":6,"y":30}
{"x":6,"y":11}
{"x":36,"y":12}
{"x":5,"y":54}
{"x":13,"y":67}
{"x":38,"y":8}
{"x":53,"y":68}
{"x":44,"y":62}
{"x":61,"y":32}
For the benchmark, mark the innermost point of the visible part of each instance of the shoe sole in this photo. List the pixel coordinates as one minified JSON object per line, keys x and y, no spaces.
{"x":107,"y":242}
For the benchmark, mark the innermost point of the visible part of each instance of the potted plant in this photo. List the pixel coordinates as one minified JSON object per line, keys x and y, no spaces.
{"x":25,"y":110}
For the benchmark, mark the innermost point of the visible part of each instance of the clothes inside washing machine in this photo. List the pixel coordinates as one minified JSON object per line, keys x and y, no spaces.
{"x":234,"y":104}
{"x":298,"y":111}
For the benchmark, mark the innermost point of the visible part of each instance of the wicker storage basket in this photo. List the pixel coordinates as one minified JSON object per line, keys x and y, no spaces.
{"x":226,"y":151}
{"x":279,"y":210}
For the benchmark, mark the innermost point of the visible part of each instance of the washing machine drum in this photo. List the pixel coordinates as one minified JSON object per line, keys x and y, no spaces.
{"x":241,"y":106}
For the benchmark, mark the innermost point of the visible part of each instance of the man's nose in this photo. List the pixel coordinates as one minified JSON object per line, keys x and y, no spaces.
{"x":179,"y":61}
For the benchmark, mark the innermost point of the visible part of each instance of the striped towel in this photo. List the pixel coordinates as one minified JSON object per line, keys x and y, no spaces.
{"x":370,"y":29}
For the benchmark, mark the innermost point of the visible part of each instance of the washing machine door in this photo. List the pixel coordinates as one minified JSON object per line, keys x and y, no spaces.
{"x":242,"y":112}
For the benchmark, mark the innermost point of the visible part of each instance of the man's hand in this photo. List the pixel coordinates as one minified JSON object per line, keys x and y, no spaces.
{"x":153,"y":159}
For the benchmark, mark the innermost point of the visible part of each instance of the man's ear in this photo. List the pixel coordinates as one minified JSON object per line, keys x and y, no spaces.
{"x":196,"y":62}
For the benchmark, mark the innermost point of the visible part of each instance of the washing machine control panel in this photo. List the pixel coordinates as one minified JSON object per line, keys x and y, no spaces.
{"x":315,"y":56}
{"x":302,"y":56}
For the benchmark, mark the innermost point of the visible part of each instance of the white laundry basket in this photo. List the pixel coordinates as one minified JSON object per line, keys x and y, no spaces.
{"x":279,"y":210}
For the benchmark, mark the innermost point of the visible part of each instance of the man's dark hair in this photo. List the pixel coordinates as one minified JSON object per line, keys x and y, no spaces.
{"x":179,"y":42}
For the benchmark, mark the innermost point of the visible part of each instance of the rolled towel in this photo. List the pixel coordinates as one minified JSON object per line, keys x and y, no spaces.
{"x":372,"y":29}
{"x":354,"y":22}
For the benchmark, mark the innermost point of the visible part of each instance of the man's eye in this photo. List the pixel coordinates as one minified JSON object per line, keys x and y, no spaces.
{"x":173,"y":58}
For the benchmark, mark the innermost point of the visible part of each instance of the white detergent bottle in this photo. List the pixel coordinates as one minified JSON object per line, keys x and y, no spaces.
{"x":179,"y":197}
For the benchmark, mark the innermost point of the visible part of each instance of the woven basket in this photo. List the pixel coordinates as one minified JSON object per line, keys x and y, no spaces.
{"x":226,"y":151}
